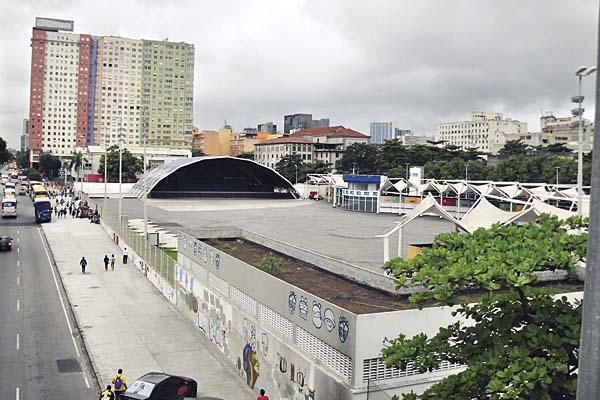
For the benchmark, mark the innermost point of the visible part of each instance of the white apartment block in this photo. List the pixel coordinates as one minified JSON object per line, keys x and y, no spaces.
{"x":120,"y":85}
{"x":486,"y":132}
{"x":60,"y":92}
{"x":270,"y":152}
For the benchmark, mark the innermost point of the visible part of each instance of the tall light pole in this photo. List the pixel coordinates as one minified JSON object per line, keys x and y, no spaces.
{"x":407,"y":164}
{"x":578,"y":112}
{"x":144,"y":178}
{"x":105,"y":171}
{"x":557,"y":169}
{"x":467,"y":171}
{"x":120,"y":169}
{"x":296,"y":166}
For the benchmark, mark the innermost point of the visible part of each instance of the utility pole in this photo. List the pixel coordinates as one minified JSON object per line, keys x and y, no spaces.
{"x":588,"y":384}
{"x":120,"y":169}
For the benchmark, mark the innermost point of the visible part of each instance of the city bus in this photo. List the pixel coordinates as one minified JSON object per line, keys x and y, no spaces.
{"x":43,"y":210}
{"x":39,"y":192}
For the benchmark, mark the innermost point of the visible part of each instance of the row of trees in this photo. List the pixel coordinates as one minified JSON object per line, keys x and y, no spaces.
{"x":516,"y":162}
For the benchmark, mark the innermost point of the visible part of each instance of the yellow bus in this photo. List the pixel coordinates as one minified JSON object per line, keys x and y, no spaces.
{"x":39,"y":192}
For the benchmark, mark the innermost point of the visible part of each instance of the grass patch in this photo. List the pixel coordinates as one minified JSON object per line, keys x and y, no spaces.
{"x":170,"y":252}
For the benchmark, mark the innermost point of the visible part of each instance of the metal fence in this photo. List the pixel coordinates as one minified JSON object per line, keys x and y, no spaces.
{"x":155,"y":258}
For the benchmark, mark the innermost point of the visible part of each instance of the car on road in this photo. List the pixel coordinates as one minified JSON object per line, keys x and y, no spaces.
{"x":160,"y":386}
{"x":22,"y":190}
{"x":5,"y":243}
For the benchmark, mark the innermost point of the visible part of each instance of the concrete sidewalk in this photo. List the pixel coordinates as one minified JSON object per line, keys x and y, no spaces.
{"x":126,"y":323}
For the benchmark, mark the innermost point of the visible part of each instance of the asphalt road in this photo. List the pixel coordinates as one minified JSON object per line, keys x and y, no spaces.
{"x":40,"y":352}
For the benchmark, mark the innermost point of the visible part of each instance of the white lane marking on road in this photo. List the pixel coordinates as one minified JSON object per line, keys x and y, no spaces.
{"x":18,"y":305}
{"x":87,"y":383}
{"x":18,"y":342}
{"x":18,"y":263}
{"x":62,"y":303}
{"x":17,"y":394}
{"x":18,"y":250}
{"x":18,"y":280}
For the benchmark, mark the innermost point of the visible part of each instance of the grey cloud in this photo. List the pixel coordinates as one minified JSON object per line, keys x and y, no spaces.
{"x":419,"y":62}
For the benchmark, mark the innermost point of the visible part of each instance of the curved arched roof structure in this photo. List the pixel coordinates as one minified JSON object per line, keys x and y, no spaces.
{"x":214,"y":177}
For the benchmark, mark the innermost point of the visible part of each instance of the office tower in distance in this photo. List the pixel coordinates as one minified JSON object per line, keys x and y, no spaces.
{"x":382,"y":131}
{"x":269,"y":127}
{"x":99,"y":90}
{"x":295,"y":122}
{"x":25,"y":135}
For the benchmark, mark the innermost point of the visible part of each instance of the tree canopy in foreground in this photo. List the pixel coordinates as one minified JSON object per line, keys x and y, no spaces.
{"x":516,"y":340}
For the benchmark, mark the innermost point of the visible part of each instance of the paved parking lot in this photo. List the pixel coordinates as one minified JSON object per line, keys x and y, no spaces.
{"x":316,"y":226}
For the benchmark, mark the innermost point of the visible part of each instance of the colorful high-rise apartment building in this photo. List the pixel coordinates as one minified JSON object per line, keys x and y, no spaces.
{"x":88,"y":90}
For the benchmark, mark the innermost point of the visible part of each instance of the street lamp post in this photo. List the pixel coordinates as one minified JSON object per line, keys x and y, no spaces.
{"x":120,"y":169}
{"x":467,"y":171}
{"x":145,"y":137}
{"x":578,"y":112}
{"x":105,"y":172}
{"x":557,"y":169}
{"x":407,"y":164}
{"x":296,"y":166}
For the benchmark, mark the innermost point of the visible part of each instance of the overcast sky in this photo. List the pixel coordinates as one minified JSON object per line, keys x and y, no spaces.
{"x":417,"y":62}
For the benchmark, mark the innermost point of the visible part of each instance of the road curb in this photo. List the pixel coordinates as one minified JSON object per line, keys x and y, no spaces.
{"x":94,"y":370}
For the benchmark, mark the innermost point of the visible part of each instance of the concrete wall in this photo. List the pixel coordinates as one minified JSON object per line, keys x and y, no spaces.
{"x":279,"y":337}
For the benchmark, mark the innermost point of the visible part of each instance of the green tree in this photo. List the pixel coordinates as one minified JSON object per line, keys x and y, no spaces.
{"x":513,"y":148}
{"x":5,"y":155}
{"x":316,"y":167}
{"x":49,"y":165}
{"x":132,"y":165}
{"x":197,"y":153}
{"x":22,"y":159}
{"x":249,"y":155}
{"x":289,"y":167}
{"x":361,"y":157}
{"x":32,"y":174}
{"x":457,"y":169}
{"x":516,"y":340}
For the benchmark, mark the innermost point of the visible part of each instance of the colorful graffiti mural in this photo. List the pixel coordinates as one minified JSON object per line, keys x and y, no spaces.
{"x":250,"y":364}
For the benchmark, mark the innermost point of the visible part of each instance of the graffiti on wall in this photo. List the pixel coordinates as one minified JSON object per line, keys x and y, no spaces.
{"x":250,"y":364}
{"x":296,"y":379}
{"x":214,"y":317}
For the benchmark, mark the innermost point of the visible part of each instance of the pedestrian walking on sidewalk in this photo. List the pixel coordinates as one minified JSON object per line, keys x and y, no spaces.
{"x":113,"y":261}
{"x":125,"y":255}
{"x":262,"y":395}
{"x":107,"y":394}
{"x":83,"y":264}
{"x":106,"y":260}
{"x":120,"y":384}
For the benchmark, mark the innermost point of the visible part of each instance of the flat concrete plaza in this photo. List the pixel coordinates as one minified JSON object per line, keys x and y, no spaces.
{"x":312,"y":225}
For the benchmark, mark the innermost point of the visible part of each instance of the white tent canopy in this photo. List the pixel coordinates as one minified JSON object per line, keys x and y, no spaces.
{"x":484,"y":214}
{"x":514,"y":191}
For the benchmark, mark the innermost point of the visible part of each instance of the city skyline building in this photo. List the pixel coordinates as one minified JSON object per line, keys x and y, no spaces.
{"x":382,"y":131}
{"x":267,"y":127}
{"x":486,"y":131}
{"x":95,"y":90}
{"x":25,"y":135}
{"x":295,"y":122}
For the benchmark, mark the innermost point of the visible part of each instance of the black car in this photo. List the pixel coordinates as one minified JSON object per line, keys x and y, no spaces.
{"x":5,"y":243}
{"x":160,"y":386}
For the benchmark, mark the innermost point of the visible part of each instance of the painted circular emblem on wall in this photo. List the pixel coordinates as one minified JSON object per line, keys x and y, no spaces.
{"x":343,"y":329}
{"x":292,"y":302}
{"x":195,"y":248}
{"x":303,"y":308}
{"x":205,"y":258}
{"x":317,"y":318}
{"x":217,"y":261}
{"x":329,"y":319}
{"x":194,"y":304}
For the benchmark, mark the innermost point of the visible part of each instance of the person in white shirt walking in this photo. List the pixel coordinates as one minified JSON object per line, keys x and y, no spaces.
{"x":125,"y":255}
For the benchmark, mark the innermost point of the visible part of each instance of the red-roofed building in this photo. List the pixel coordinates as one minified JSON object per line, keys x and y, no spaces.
{"x":318,"y":144}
